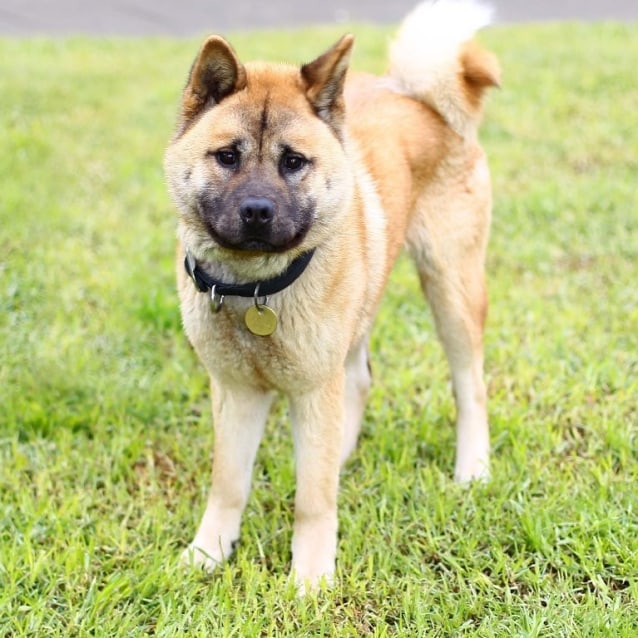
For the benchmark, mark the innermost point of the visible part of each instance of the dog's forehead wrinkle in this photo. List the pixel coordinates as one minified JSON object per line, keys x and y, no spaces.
{"x":268,"y":132}
{"x":263,"y":124}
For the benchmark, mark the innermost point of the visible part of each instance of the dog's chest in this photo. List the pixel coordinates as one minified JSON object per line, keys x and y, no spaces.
{"x":301,"y":350}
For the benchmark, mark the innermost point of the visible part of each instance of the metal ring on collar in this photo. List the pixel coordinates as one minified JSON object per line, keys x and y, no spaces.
{"x":216,"y":301}
{"x":258,"y":305}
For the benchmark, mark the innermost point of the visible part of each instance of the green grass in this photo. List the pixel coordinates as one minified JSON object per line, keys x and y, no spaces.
{"x":105,"y":432}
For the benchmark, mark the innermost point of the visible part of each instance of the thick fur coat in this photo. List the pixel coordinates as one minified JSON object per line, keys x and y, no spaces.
{"x":270,"y":161}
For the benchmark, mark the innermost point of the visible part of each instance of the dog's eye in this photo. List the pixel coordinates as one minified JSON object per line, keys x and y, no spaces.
{"x":291,"y":162}
{"x":227,"y":157}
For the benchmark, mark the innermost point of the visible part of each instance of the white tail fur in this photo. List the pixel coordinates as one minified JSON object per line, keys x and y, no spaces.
{"x":430,"y":62}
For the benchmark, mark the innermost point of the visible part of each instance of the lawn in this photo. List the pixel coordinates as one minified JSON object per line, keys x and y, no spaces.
{"x":105,"y":433}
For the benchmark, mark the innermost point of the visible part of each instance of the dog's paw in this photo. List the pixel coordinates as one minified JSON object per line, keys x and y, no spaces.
{"x":314,"y":549}
{"x":308,"y":584}
{"x":197,"y":556}
{"x":475,"y":470}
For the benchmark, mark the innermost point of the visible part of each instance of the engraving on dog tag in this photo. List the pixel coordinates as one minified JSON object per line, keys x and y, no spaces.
{"x":261,"y":320}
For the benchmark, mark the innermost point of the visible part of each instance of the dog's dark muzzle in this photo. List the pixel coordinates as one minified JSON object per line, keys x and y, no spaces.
{"x":257,"y":225}
{"x":254,"y":221}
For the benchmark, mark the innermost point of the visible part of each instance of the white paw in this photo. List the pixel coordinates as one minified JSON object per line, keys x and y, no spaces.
{"x":311,"y":583}
{"x":314,"y":549}
{"x":197,"y":556}
{"x":468,"y":470}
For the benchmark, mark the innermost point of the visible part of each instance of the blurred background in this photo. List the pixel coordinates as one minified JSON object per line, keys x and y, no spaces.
{"x":192,"y":17}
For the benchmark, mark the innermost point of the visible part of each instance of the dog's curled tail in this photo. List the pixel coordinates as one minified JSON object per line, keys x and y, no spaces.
{"x":434,"y":59}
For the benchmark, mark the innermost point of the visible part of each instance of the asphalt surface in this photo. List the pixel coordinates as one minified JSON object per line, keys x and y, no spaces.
{"x":24,"y":18}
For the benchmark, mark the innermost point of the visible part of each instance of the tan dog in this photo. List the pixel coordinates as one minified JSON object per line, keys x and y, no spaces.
{"x":296,"y":189}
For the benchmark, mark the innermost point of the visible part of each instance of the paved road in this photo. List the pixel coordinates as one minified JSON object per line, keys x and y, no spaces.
{"x":193,"y":17}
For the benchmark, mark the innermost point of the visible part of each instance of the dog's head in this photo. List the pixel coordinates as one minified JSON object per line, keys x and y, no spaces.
{"x":257,"y":166}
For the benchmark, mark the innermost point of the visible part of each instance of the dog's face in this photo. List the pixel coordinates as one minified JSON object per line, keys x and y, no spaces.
{"x":257,"y":166}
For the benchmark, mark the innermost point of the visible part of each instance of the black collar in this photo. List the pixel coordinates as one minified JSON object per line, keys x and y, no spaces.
{"x":204,"y":282}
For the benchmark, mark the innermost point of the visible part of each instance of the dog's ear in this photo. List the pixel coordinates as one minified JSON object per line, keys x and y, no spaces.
{"x":215,"y":74}
{"x":324,"y":80}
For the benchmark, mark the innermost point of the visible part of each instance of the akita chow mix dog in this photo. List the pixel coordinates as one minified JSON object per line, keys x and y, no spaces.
{"x":296,"y":190}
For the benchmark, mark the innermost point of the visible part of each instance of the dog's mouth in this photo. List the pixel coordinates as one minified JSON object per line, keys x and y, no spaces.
{"x":252,"y":244}
{"x":258,"y":245}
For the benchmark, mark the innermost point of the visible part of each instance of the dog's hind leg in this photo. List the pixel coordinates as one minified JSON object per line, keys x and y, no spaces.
{"x":458,"y":303}
{"x":239,"y":417}
{"x":357,"y":386}
{"x":448,"y":239}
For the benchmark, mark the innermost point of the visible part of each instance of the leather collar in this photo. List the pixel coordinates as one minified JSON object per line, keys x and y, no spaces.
{"x":204,"y":282}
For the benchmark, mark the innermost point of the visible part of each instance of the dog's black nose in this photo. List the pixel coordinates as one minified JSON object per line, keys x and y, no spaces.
{"x":257,"y":212}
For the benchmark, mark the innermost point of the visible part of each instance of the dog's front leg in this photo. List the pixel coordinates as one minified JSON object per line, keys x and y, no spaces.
{"x":317,"y":425}
{"x":239,"y":415}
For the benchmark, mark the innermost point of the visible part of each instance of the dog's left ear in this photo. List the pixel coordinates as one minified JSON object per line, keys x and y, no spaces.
{"x":324,"y":79}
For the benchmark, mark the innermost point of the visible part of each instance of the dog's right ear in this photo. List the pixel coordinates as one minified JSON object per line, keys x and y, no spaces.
{"x":215,"y":74}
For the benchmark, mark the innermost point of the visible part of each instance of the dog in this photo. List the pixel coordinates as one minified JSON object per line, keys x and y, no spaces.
{"x":296,"y":189}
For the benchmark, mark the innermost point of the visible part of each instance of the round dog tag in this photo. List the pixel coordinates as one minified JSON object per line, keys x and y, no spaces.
{"x":261,"y":320}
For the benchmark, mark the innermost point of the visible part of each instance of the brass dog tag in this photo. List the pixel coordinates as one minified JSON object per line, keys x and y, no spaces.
{"x":261,"y":320}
